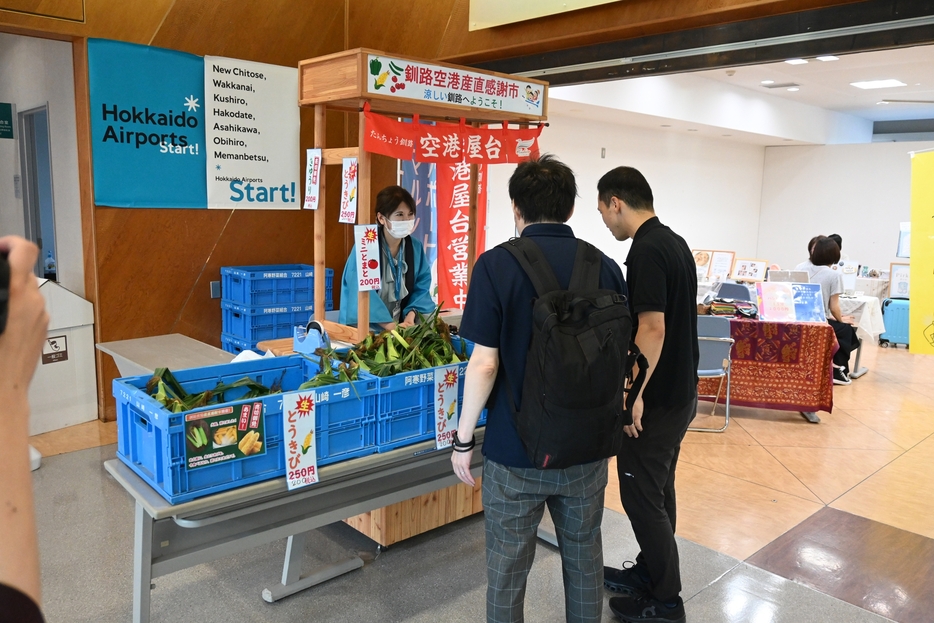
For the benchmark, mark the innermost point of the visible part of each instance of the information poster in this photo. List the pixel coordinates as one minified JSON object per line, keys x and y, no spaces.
{"x":251,"y":126}
{"x":368,"y":271}
{"x":446,"y":411}
{"x":301,"y":454}
{"x":809,"y":302}
{"x":776,"y":301}
{"x":224,"y":434}
{"x":721,"y":263}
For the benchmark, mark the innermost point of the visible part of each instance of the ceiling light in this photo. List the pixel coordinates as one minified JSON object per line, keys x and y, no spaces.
{"x":878,"y":84}
{"x":827,"y":58}
{"x":794,"y":89}
{"x":783,"y":85}
{"x":882,"y":102}
{"x":767,"y":82}
{"x":796,"y":61}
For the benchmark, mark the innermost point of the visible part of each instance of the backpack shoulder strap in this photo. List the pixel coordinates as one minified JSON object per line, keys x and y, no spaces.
{"x":587,"y":264}
{"x":408,"y":254}
{"x":534,"y":263}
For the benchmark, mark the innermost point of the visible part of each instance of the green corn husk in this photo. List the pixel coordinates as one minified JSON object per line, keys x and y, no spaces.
{"x":165,"y":388}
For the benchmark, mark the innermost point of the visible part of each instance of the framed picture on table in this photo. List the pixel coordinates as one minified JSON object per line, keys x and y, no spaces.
{"x":898,"y":281}
{"x":721,"y":262}
{"x":749,"y":270}
{"x":701,"y":263}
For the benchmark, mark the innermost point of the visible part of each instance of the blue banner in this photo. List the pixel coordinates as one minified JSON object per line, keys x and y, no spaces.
{"x":147,"y":126}
{"x":419,"y":179}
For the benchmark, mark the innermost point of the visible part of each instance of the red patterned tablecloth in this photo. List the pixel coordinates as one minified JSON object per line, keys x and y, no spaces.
{"x":780,"y":365}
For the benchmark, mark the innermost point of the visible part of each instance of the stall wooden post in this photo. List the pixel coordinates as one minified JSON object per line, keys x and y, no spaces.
{"x":343,"y":82}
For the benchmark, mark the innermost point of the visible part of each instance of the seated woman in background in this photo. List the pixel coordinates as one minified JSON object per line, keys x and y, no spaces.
{"x":404,"y":271}
{"x":824,"y":254}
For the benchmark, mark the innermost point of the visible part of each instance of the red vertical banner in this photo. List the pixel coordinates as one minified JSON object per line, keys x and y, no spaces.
{"x":453,"y":192}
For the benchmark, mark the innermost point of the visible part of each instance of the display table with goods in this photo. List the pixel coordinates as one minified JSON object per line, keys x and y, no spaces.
{"x":780,"y":365}
{"x":867,"y":312}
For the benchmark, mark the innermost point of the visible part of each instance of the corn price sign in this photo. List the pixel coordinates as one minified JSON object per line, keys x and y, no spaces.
{"x":446,"y":411}
{"x":301,"y":455}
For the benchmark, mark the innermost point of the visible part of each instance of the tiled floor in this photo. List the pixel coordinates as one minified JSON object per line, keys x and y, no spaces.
{"x":770,"y":479}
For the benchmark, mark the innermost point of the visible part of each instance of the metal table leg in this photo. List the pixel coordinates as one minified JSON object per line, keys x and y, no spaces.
{"x":811,"y":417}
{"x":857,"y":371}
{"x":142,"y":565}
{"x":292,"y":580}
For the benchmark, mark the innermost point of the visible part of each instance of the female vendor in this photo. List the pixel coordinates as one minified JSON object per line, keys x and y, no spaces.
{"x":404,"y":271}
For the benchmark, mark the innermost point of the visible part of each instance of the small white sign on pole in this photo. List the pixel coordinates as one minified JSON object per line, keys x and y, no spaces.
{"x":368,"y":271}
{"x":348,"y":213}
{"x":298,"y":423}
{"x":446,"y":409}
{"x":312,"y":179}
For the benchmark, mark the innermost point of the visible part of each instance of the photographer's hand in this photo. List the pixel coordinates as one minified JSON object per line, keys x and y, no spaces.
{"x":20,"y":347}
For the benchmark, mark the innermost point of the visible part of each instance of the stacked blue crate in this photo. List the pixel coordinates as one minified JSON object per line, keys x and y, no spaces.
{"x":266,"y":302}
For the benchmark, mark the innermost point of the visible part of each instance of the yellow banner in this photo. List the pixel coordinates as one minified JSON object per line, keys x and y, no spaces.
{"x":921,"y":321}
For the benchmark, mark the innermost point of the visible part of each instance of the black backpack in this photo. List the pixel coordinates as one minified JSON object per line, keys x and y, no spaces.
{"x":579,"y":362}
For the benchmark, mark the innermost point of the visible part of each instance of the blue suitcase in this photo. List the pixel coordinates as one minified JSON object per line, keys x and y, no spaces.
{"x":895,"y":316}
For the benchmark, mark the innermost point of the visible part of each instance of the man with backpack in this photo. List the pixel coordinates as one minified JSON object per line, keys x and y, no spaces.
{"x":663,"y":285}
{"x":576,"y":294}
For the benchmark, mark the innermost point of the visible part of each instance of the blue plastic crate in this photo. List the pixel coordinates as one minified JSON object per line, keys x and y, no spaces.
{"x":235,"y":344}
{"x":151,"y":440}
{"x":273,"y":284}
{"x":406,"y":405}
{"x":257,"y":323}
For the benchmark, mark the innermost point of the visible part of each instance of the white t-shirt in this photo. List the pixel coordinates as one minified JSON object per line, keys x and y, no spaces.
{"x":805,"y":265}
{"x":831,"y":282}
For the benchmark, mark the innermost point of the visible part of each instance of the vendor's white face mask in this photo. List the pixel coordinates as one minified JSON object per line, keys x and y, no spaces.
{"x":400,"y":229}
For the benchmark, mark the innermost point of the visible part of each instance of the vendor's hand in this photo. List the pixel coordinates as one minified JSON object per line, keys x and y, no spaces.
{"x":409,"y":320}
{"x":849,"y":320}
{"x":635,"y":428}
{"x":461,"y":463}
{"x":27,"y":320}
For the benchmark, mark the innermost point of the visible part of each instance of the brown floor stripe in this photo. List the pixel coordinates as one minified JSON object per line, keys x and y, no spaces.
{"x":866,"y":563}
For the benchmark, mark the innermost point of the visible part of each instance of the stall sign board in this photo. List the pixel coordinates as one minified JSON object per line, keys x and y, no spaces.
{"x":223,"y":434}
{"x":6,"y":120}
{"x":809,"y":302}
{"x":368,"y":270}
{"x":426,"y":83}
{"x":301,"y":454}
{"x":775,"y":301}
{"x":721,"y":262}
{"x":446,"y":409}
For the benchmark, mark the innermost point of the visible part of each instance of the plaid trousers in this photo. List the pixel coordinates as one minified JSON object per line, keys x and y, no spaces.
{"x":514,"y":501}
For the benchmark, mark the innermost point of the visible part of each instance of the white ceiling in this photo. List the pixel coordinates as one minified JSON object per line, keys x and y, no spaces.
{"x":827,"y":84}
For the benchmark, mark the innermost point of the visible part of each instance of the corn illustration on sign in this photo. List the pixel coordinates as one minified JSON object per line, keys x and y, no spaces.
{"x":446,"y":408}
{"x":224,"y":434}
{"x":298,"y":423}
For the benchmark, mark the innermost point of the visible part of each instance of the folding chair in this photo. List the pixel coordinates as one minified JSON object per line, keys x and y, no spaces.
{"x":715,"y":343}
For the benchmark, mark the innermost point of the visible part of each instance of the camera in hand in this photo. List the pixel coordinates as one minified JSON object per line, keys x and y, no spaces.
{"x":4,"y":289}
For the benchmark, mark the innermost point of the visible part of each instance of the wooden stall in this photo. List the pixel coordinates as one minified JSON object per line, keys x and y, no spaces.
{"x":349,"y":81}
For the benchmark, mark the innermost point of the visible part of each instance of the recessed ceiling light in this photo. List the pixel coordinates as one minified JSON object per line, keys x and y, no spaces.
{"x":767,"y":82}
{"x":878,"y":84}
{"x":794,"y":89}
{"x":882,"y":102}
{"x":796,"y":61}
{"x":827,"y":59}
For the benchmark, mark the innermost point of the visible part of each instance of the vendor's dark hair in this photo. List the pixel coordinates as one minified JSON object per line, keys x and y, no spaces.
{"x":628,"y":185}
{"x":838,"y":239}
{"x":389,"y":198}
{"x":826,"y":252}
{"x":811,"y":243}
{"x":543,"y":189}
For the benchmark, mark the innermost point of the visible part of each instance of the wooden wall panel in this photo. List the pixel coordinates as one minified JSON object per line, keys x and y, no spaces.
{"x":110,"y":19}
{"x":59,"y":9}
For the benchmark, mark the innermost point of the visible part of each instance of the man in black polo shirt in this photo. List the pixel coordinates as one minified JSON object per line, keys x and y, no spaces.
{"x":498,"y":318}
{"x":663,"y":285}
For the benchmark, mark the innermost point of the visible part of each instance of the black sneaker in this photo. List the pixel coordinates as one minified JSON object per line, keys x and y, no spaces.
{"x":630,"y":580}
{"x":647,"y":609}
{"x":840,"y":376}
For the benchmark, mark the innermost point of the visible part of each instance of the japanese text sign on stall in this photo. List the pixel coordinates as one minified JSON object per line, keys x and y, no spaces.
{"x":453,"y":192}
{"x":429,"y":83}
{"x":312,"y":179}
{"x":348,"y":213}
{"x":301,"y":455}
{"x":368,"y":271}
{"x":446,"y":411}
{"x":224,"y":434}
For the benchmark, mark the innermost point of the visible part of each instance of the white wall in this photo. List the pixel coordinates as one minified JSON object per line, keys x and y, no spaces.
{"x":34,"y":72}
{"x":861,"y":192}
{"x":706,"y":190}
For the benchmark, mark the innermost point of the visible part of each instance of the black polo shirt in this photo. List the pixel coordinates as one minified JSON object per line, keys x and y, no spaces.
{"x":498,"y":314}
{"x":662,"y":278}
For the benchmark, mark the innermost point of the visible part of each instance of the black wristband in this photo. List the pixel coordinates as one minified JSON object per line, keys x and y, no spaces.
{"x":463,"y":447}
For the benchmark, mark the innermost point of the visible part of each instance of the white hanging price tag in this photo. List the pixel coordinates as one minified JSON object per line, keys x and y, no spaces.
{"x":445,"y":407}
{"x":348,"y":213}
{"x":368,"y":271}
{"x":312,"y":179}
{"x":300,"y":447}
